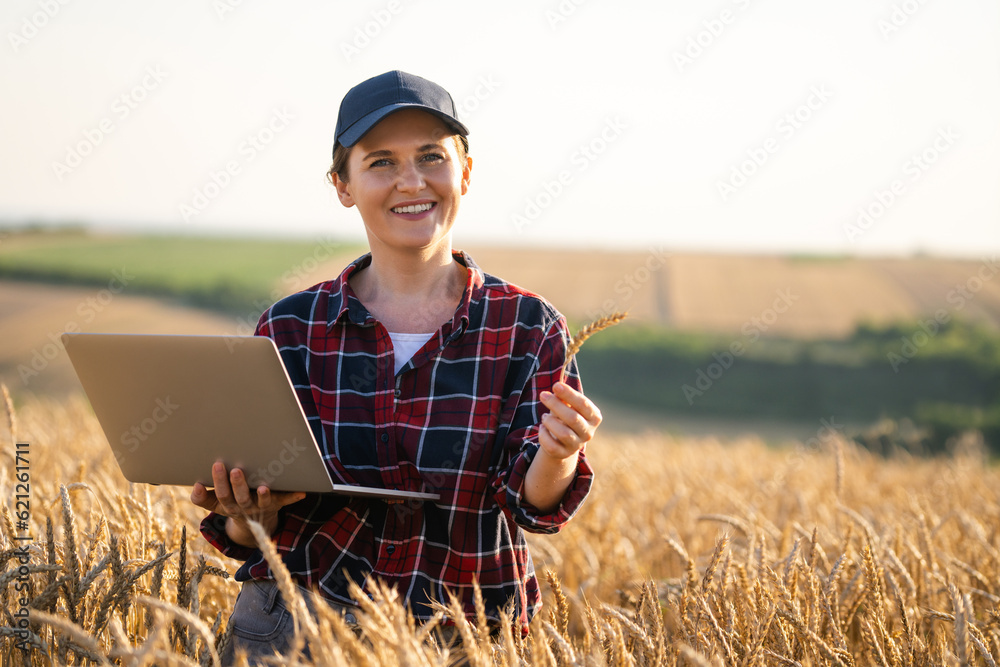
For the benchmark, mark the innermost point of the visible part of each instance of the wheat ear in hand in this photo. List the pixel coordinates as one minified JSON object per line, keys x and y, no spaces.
{"x":586,"y":332}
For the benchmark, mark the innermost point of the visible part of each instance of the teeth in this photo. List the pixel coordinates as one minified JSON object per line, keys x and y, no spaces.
{"x":419,"y":208}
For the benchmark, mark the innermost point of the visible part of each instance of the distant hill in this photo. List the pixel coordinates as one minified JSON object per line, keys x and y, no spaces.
{"x":820,"y":297}
{"x":68,"y":280}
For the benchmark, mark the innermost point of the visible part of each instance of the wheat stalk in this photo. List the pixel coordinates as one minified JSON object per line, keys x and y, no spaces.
{"x":70,"y":557}
{"x":289,"y":591}
{"x":11,"y":415}
{"x":577,"y":341}
{"x":73,"y":631}
{"x":189,"y":619}
{"x":861,"y":591}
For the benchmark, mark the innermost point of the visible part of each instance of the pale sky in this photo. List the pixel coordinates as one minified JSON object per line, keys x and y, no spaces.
{"x":736,"y":125}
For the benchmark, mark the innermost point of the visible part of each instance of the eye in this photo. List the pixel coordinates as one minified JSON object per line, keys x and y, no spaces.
{"x":432,"y":157}
{"x":381,"y":162}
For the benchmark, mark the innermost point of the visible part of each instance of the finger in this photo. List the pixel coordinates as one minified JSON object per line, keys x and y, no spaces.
{"x":551,"y":444}
{"x":223,"y":491}
{"x":566,"y":414}
{"x":579,"y":402}
{"x":241,"y":490}
{"x":560,"y":431}
{"x":586,"y":408}
{"x":264,"y":499}
{"x":200,"y":496}
{"x":547,"y":440}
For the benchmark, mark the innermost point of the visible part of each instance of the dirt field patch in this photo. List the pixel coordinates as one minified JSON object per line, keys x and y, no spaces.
{"x":32,"y":317}
{"x":796,"y":297}
{"x":812,"y":298}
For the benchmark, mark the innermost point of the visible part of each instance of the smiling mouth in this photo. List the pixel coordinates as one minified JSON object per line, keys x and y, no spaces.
{"x":416,"y":208}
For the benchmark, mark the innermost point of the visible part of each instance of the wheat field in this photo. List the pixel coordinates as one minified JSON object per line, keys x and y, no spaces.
{"x":689,"y":552}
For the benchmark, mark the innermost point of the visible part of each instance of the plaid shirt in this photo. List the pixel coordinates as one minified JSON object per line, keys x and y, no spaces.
{"x":459,"y":419}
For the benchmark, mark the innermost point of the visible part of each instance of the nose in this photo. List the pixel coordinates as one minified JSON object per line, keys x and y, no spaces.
{"x":409,"y":178}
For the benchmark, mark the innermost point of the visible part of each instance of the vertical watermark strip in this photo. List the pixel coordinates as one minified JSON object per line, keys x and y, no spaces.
{"x":22,"y":516}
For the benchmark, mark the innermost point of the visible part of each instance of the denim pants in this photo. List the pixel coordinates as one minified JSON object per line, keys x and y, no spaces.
{"x":262,"y":623}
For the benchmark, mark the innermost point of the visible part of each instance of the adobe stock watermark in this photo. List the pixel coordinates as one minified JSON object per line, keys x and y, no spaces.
{"x":288,"y":454}
{"x":829,"y":432}
{"x":442,"y":477}
{"x":959,"y":296}
{"x":220,"y":179}
{"x":223,"y":8}
{"x":562,"y":12}
{"x":122,"y":107}
{"x":581,"y":159}
{"x":752,"y":330}
{"x":900,"y":14}
{"x":711,"y":30}
{"x":87,"y":311}
{"x":370,"y":30}
{"x":912,"y":170}
{"x":631,"y":282}
{"x":32,"y":25}
{"x":786,"y":127}
{"x":139,"y":433}
{"x":468,"y":105}
{"x":292,"y":278}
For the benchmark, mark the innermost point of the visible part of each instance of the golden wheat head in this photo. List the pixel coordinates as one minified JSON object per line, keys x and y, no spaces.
{"x":586,"y":332}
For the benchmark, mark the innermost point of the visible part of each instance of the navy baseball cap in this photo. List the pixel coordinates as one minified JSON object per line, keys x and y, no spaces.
{"x":370,"y":101}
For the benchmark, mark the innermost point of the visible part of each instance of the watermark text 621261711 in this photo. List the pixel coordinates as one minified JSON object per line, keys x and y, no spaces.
{"x":22,"y":519}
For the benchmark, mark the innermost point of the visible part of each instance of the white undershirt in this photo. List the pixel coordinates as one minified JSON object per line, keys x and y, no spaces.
{"x":405,"y":345}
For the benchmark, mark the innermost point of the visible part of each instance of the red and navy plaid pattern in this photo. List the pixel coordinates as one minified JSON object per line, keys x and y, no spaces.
{"x":459,"y":419}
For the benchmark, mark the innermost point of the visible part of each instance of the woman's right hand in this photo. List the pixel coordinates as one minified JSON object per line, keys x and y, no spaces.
{"x":233,"y":498}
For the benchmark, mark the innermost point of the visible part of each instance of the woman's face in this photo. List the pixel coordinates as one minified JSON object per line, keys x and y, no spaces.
{"x":406,"y":178}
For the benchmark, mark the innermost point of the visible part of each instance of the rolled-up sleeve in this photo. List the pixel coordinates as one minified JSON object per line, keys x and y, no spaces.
{"x":522,"y":441}
{"x":213,"y":528}
{"x":527,"y":515}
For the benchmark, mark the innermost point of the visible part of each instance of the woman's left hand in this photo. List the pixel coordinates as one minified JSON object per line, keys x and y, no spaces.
{"x":570,"y":422}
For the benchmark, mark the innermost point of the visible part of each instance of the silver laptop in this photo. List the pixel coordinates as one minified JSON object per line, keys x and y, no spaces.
{"x":171,"y":406}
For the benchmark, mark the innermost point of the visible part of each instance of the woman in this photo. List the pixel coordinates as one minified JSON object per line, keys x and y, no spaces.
{"x":417,"y":372}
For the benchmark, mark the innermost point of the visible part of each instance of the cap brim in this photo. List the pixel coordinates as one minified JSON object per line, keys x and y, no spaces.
{"x":353,"y":134}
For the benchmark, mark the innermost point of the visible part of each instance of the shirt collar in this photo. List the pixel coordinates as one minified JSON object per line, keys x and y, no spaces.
{"x":344,"y":303}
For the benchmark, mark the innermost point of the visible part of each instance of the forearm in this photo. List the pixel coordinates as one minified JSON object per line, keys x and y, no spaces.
{"x":239,"y":531}
{"x":547,"y":480}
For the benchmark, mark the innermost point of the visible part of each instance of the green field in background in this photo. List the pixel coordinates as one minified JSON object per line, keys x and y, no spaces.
{"x":945,"y":379}
{"x":229,"y":274}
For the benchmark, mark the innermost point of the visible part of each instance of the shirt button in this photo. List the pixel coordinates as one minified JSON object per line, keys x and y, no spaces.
{"x":385,"y":437}
{"x":390,"y":549}
{"x":397,"y":393}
